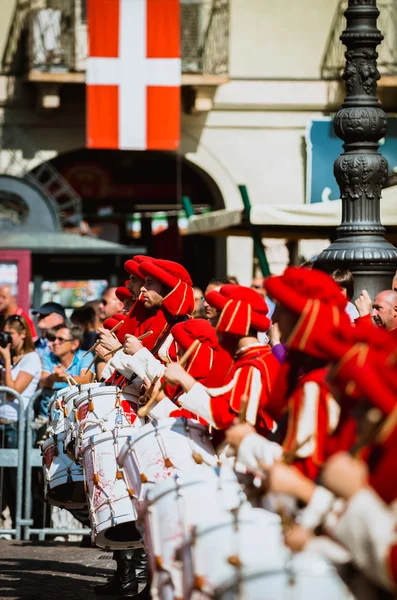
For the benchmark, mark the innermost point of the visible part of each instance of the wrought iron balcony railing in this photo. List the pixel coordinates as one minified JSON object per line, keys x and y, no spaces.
{"x":51,"y":36}
{"x":334,"y":61}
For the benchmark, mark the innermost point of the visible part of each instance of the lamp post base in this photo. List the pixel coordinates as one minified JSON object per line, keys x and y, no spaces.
{"x":371,"y":259}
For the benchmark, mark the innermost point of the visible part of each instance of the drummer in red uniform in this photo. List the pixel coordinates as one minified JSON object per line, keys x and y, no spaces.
{"x":247,"y":387}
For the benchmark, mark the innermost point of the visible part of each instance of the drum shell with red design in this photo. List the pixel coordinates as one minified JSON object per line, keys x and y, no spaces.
{"x":63,"y":478}
{"x":172,"y":509}
{"x":112,"y":513}
{"x":163,"y":448}
{"x":69,"y":400}
{"x":56,"y":416}
{"x":101,"y":409}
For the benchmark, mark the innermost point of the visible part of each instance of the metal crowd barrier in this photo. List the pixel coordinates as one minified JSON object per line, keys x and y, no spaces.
{"x":34,"y":459}
{"x":14,"y":458}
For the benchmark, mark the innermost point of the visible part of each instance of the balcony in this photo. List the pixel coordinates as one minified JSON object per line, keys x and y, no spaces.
{"x":47,"y":42}
{"x":334,"y":61}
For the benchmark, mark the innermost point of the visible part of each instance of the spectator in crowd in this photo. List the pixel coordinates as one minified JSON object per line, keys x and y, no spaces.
{"x":384,"y":310}
{"x":258,"y":284}
{"x":232,"y":279}
{"x":49,"y":315}
{"x":109,"y":304}
{"x":9,"y":306}
{"x":95,"y":305}
{"x":21,"y":372}
{"x":344,"y":278}
{"x":64,"y":361}
{"x":85,"y":317}
{"x":198,"y":312}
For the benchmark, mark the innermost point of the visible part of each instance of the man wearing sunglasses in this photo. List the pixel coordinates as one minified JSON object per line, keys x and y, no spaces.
{"x":64,"y":361}
{"x":49,"y":315}
{"x":109,"y":304}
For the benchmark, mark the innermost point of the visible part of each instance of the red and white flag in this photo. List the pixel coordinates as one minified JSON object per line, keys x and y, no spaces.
{"x":133,"y":74}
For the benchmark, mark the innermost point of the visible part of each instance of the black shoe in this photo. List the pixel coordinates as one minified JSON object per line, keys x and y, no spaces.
{"x":115,"y":587}
{"x":141,"y":565}
{"x":144,"y":594}
{"x":124,"y":583}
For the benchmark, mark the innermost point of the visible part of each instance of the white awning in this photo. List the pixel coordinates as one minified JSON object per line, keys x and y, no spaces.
{"x":215,"y":221}
{"x":316,"y":219}
{"x":64,"y":243}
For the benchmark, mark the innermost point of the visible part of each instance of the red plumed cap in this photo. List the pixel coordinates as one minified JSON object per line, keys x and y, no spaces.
{"x":242,"y":308}
{"x":297,"y":285}
{"x":202,"y":359}
{"x":110,"y":322}
{"x":119,"y":317}
{"x":132,"y":265}
{"x":187,"y":332}
{"x":180,"y":300}
{"x":361,"y":377}
{"x":315,"y":331}
{"x":166,"y":271}
{"x":123,"y":294}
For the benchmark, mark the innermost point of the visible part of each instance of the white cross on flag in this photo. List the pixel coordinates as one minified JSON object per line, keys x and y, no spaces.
{"x":133,"y":74}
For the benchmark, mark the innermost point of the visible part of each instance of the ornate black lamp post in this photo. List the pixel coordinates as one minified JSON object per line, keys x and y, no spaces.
{"x":361,"y":170}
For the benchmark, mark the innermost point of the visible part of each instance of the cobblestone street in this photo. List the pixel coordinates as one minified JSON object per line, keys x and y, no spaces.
{"x":51,"y":570}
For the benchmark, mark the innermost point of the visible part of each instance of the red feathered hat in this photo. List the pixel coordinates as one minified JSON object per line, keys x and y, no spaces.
{"x":166,"y":271}
{"x":186,"y":332}
{"x":297,"y":285}
{"x":180,"y":300}
{"x":202,"y":360}
{"x":314,"y":333}
{"x":112,"y":321}
{"x":361,"y":377}
{"x":242,"y":308}
{"x":123,"y":294}
{"x":132,"y":265}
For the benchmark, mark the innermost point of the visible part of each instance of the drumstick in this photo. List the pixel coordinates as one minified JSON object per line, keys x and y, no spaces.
{"x":70,"y":379}
{"x":91,"y":363}
{"x":144,"y":398}
{"x":141,"y":337}
{"x":243,"y":409}
{"x":291,"y":455}
{"x":143,"y":411}
{"x":98,"y":341}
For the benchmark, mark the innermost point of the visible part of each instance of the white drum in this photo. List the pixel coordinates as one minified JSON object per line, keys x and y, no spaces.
{"x":56,"y":417}
{"x":170,"y":512}
{"x":112,"y":513}
{"x":102,"y":408}
{"x":104,"y":417}
{"x":306,"y":575}
{"x":162,"y":448}
{"x":63,"y":478}
{"x":70,"y":413}
{"x":227,"y":542}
